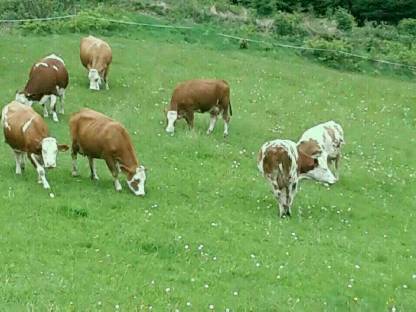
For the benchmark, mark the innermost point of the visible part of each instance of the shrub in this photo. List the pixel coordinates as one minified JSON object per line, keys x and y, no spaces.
{"x":287,"y":24}
{"x":345,"y":21}
{"x":407,"y":27}
{"x":329,"y":55}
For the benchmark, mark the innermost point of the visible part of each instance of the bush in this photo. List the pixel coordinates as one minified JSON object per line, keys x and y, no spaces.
{"x":408,"y":27}
{"x":287,"y":24}
{"x":345,"y":21}
{"x":330,"y":56}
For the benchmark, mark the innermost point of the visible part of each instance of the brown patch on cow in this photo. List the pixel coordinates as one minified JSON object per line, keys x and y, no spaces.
{"x":331,"y":133}
{"x":308,"y":152}
{"x":277,"y":159}
{"x":43,"y":80}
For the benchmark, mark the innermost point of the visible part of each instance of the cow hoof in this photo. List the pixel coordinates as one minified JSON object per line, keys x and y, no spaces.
{"x":94,"y":178}
{"x":55,"y":118}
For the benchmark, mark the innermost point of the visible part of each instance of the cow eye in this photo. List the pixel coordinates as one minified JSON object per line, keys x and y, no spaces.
{"x":315,"y":162}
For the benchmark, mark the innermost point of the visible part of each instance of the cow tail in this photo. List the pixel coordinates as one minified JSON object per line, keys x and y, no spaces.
{"x":231,"y":110}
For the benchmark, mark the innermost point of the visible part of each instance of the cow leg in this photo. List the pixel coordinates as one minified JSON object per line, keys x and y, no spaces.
{"x":62,"y":100}
{"x":212,"y":122}
{"x":107,"y":87}
{"x":53,"y":108}
{"x":337,"y":161}
{"x":226,"y":118}
{"x":41,"y":171}
{"x":93,"y":169}
{"x":189,"y":117}
{"x":43,"y":102}
{"x":18,"y":158}
{"x":74,"y":152}
{"x":112,"y":166}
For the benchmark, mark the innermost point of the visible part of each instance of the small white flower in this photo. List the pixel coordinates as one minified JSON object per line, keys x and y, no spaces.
{"x":252,"y":256}
{"x":188,"y":304}
{"x":117,"y":306}
{"x":214,"y":258}
{"x":227,"y":310}
{"x":357,"y":266}
{"x":211,"y":307}
{"x":167,"y":289}
{"x":404,"y":286}
{"x":349,"y":285}
{"x":235,"y":293}
{"x":186,"y":246}
{"x":206,"y":286}
{"x":99,"y":303}
{"x":200,"y":247}
{"x":414,"y":276}
{"x":257,"y":264}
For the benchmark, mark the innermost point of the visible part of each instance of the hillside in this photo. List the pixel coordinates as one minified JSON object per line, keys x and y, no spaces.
{"x":207,"y":231}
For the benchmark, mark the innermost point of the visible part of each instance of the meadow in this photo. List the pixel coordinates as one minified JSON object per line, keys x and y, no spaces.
{"x":207,"y":234}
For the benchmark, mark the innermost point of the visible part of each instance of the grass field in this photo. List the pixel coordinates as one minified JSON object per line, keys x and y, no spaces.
{"x":206,"y":235}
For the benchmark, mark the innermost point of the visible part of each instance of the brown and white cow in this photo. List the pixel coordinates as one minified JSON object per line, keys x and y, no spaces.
{"x":330,"y":137}
{"x":99,"y":137}
{"x":96,"y":56}
{"x":282,"y":163}
{"x":202,"y":96}
{"x":48,"y":79}
{"x":26,"y":132}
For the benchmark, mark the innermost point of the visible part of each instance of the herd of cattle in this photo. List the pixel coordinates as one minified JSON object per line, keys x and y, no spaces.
{"x":282,"y":162}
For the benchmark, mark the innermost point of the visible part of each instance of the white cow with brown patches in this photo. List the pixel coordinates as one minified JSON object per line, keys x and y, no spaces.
{"x":48,"y":79}
{"x":282,"y":162}
{"x":26,"y":132}
{"x":330,"y":137}
{"x":96,"y":56}
{"x":99,"y":137}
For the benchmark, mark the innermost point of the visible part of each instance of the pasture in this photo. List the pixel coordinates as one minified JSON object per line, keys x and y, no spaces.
{"x":206,"y":236}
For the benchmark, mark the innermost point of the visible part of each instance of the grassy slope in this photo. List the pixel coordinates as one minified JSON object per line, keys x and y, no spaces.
{"x":95,"y":249}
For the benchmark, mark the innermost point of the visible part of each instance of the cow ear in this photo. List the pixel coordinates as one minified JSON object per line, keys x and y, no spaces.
{"x":63,"y":147}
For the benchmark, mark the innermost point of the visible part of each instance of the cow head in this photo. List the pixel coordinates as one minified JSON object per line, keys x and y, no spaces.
{"x":95,"y":79}
{"x":312,"y":162}
{"x":137,"y":180}
{"x":171,"y":117}
{"x":22,"y":98}
{"x":50,"y":148}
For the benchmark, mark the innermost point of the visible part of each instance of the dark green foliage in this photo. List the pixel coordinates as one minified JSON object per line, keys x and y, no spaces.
{"x":345,"y":21}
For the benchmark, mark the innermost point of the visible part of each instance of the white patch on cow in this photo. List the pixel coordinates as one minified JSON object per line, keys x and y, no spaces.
{"x":172,"y":116}
{"x":140,"y":177}
{"x":49,"y":152}
{"x":55,"y":57}
{"x":41,"y":171}
{"x":212,"y":122}
{"x":330,"y":146}
{"x":95,"y":79}
{"x":21,"y":98}
{"x":41,"y":64}
{"x":27,"y":124}
{"x":4,"y":122}
{"x":54,"y":67}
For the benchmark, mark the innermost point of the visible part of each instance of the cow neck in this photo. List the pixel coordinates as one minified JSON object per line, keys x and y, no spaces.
{"x":128,"y":162}
{"x":301,"y":156}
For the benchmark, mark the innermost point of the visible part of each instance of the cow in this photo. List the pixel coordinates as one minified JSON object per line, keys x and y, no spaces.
{"x":202,"y":96}
{"x":330,"y":137}
{"x":96,"y":56}
{"x":48,"y":79}
{"x":25,"y":131}
{"x":282,"y":163}
{"x":99,"y":137}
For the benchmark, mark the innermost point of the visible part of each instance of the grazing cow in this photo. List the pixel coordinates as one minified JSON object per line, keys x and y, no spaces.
{"x":330,"y":137}
{"x":202,"y":96}
{"x":26,"y":132}
{"x":48,"y":80}
{"x":282,"y":162}
{"x":98,"y":136}
{"x":96,"y":56}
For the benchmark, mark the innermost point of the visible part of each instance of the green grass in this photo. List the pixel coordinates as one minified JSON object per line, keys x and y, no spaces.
{"x":207,"y":231}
